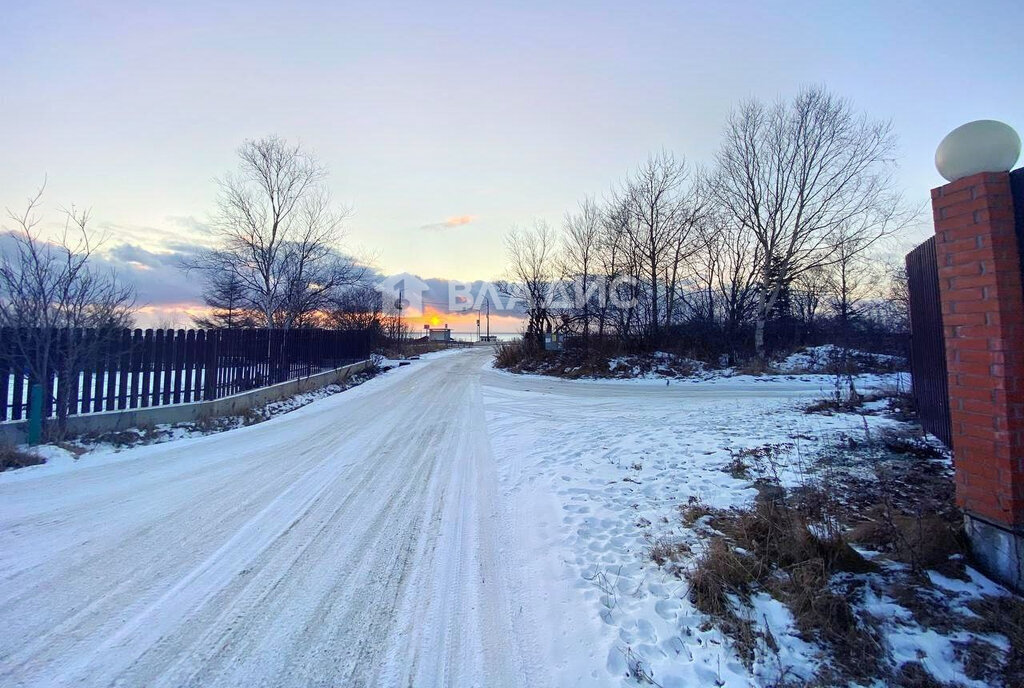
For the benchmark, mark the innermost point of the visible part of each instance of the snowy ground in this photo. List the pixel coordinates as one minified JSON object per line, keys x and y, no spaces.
{"x":444,"y":524}
{"x":609,"y":464}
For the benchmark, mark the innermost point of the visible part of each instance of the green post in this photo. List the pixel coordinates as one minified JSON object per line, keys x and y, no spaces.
{"x":35,"y":414}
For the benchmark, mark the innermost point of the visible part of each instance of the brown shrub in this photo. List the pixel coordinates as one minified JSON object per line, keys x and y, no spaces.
{"x":914,"y":675}
{"x":909,"y":443}
{"x":719,"y":572}
{"x":694,"y":510}
{"x":827,"y":616}
{"x":773,"y":547}
{"x":11,"y":457}
{"x":509,"y":355}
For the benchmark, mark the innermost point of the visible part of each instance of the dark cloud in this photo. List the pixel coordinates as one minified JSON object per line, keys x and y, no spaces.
{"x":158,"y":276}
{"x":165,"y":290}
{"x":189,"y":222}
{"x":450,"y":296}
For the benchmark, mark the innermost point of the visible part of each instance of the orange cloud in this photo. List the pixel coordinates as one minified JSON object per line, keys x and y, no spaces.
{"x":453,"y":221}
{"x":457,"y":220}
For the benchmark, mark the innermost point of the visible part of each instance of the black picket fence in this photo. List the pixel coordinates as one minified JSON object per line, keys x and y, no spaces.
{"x":90,"y":371}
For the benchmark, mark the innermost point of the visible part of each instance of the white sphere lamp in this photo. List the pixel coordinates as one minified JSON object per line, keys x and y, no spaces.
{"x":984,"y":145}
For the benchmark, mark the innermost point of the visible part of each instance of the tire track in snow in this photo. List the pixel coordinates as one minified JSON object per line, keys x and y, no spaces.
{"x":366,"y":555}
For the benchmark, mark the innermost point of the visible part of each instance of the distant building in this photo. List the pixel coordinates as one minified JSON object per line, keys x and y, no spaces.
{"x":440,"y":334}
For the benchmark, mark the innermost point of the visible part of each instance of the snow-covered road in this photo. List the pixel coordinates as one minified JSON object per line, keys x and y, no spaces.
{"x":353,"y":542}
{"x":414,"y":531}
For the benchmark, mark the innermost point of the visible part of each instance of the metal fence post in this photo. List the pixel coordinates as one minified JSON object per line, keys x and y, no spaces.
{"x":35,"y":414}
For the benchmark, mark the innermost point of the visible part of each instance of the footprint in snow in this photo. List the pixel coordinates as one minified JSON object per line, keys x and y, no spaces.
{"x":667,"y":609}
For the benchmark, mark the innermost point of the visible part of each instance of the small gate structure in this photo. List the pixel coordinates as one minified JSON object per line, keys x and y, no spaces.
{"x":927,"y":343}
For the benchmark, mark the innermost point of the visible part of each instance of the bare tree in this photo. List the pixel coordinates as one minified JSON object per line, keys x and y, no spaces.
{"x":659,"y":208}
{"x":850,"y":280}
{"x":279,"y":233}
{"x":795,"y":174}
{"x":581,"y":240}
{"x":620,"y":267}
{"x":810,"y":291}
{"x":49,"y":288}
{"x":735,"y":262}
{"x":896,"y":305}
{"x":533,"y":272}
{"x":358,"y":308}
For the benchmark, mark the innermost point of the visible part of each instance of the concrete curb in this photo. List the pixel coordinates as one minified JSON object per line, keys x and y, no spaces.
{"x":113,"y":421}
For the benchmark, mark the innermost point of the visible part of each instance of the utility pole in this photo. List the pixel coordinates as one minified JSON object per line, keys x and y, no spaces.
{"x":398,"y":306}
{"x":488,"y":302}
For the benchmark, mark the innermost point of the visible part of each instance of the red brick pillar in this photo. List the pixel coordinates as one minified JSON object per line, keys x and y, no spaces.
{"x":983,"y":317}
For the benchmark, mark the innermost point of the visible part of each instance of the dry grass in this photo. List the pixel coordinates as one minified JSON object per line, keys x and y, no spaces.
{"x":694,"y":510}
{"x":75,"y":449}
{"x":509,"y":355}
{"x":842,"y":403}
{"x":737,"y":468}
{"x":754,"y":367}
{"x":597,"y":362}
{"x":891,"y":492}
{"x":914,"y":675}
{"x":11,"y":457}
{"x":924,"y":540}
{"x":912,"y":444}
{"x":773,"y":547}
{"x":665,"y":550}
{"x":722,"y":572}
{"x":1003,"y":615}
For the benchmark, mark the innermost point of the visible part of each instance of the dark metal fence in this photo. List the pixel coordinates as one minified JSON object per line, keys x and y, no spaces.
{"x":927,"y":342}
{"x":88,"y":371}
{"x":1017,"y":191}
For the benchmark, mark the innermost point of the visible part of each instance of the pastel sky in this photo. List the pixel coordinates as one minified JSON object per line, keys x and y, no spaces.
{"x":443,"y":124}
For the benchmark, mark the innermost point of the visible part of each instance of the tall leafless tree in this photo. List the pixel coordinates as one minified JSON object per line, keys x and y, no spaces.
{"x":851,"y":280}
{"x":581,"y":240}
{"x":796,"y":172}
{"x":734,"y":260}
{"x":358,"y":308}
{"x":533,"y":272}
{"x":279,"y":233}
{"x":661,"y":206}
